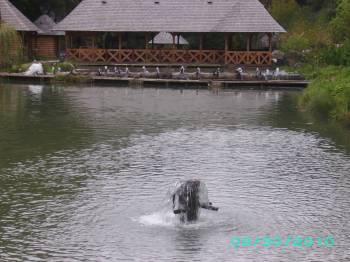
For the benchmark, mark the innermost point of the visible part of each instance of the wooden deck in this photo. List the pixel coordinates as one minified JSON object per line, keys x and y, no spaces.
{"x":255,"y":84}
{"x":171,"y":56}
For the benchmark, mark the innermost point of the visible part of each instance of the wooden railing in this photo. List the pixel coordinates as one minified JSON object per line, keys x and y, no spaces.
{"x":171,"y":56}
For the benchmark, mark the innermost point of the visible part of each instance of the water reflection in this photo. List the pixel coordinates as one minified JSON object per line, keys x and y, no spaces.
{"x":85,"y":179}
{"x":35,"y":91}
{"x":36,"y":120}
{"x":287,"y":115}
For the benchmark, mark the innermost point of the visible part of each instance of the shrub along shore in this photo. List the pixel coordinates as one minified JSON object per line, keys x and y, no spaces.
{"x":328,"y":95}
{"x":318,"y":45}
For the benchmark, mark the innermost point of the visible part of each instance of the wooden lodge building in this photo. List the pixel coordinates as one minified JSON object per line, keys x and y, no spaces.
{"x":165,"y":40}
{"x":10,"y":15}
{"x":121,"y":31}
{"x":49,"y":42}
{"x":39,"y":40}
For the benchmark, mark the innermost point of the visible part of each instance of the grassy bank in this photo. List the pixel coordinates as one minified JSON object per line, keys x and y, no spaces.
{"x":329,"y":93}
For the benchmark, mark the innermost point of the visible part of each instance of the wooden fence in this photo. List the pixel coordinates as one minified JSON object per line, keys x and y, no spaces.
{"x":171,"y":56}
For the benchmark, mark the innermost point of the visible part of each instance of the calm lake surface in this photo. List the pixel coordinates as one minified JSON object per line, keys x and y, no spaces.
{"x":85,"y":175}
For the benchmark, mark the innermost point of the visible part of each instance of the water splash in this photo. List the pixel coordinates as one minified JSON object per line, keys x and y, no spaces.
{"x":179,"y":200}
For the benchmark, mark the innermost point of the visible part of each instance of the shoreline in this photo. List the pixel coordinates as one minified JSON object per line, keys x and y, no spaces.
{"x":145,"y":82}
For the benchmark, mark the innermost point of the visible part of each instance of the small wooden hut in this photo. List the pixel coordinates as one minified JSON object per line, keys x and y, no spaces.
{"x":49,"y":43}
{"x":165,"y":40}
{"x":10,"y":15}
{"x":119,"y":31}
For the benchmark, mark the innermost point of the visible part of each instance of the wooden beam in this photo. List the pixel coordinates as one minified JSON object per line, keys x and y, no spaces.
{"x":119,"y":40}
{"x":93,"y":41}
{"x":249,"y":39}
{"x":226,"y":48}
{"x":173,"y":34}
{"x":147,"y":39}
{"x":36,"y":46}
{"x":153,"y":35}
{"x":66,"y":41}
{"x":270,"y":41}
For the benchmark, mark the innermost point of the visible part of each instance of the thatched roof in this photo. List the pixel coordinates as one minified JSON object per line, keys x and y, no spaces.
{"x":170,"y":16}
{"x":13,"y":17}
{"x":46,"y":24}
{"x":164,"y":38}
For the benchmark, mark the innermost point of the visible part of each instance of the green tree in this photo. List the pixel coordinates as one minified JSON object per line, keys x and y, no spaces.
{"x":341,"y":23}
{"x":10,"y":45}
{"x":285,"y":12}
{"x":57,"y":9}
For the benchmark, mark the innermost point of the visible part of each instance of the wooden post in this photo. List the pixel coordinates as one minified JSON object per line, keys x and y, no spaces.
{"x":178,"y":40}
{"x":248,"y":42}
{"x":200,"y":47}
{"x":36,"y":46}
{"x":66,"y":40}
{"x":147,"y":39}
{"x":93,"y":41}
{"x":226,"y":48}
{"x":173,"y":34}
{"x":153,"y":35}
{"x":119,"y":40}
{"x":270,"y":41}
{"x":147,"y":46}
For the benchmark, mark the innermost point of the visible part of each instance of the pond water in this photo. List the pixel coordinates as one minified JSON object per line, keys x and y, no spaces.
{"x":85,"y":175}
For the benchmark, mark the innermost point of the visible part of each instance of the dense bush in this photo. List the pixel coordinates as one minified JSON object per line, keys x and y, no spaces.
{"x":333,"y":55}
{"x":341,"y":23}
{"x":329,"y":94}
{"x":295,"y":42}
{"x":285,"y":12}
{"x":55,"y":67}
{"x":307,"y":28}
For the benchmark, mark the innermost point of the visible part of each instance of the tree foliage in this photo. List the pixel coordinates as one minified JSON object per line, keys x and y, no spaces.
{"x":10,"y":45}
{"x":285,"y":12}
{"x":341,"y":23}
{"x":329,"y":94}
{"x":57,"y":9}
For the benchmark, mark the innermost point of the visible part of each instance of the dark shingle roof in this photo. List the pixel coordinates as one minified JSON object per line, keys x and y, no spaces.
{"x":164,"y":38}
{"x":46,"y":24}
{"x":170,"y":16}
{"x":13,"y":17}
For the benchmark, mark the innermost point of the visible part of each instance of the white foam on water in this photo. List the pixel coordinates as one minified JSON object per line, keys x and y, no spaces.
{"x":168,"y":219}
{"x":159,"y":218}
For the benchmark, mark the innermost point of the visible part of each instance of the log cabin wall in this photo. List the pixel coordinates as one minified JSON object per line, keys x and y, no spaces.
{"x":46,"y":47}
